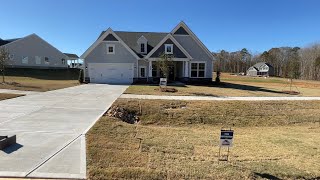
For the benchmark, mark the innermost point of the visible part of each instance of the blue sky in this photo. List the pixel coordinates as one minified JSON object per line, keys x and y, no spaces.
{"x":73,"y":25}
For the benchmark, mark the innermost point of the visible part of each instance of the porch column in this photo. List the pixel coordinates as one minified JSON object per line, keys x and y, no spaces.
{"x":186,"y":69}
{"x":150,"y":69}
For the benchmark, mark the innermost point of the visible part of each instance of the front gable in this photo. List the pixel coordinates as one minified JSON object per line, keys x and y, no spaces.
{"x":177,"y":53}
{"x":110,"y":37}
{"x":178,"y":50}
{"x":181,"y":31}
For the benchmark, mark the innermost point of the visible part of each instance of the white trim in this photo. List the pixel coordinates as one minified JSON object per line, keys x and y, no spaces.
{"x":165,"y":48}
{"x":169,"y":36}
{"x":113,"y":48}
{"x":173,"y":59}
{"x":182,"y":24}
{"x":99,"y":40}
{"x":145,"y":71}
{"x":197,"y":62}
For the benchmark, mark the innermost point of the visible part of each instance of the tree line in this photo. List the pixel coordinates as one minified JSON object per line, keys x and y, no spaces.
{"x":288,"y":62}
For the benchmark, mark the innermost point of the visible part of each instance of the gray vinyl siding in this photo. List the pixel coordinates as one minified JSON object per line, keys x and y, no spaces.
{"x":196,"y":52}
{"x":32,"y":46}
{"x":99,"y":55}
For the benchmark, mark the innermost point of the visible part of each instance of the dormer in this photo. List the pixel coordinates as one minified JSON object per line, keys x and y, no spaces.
{"x":143,"y":45}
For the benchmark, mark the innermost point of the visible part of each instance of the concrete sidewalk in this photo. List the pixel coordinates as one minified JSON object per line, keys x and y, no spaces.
{"x":51,"y":128}
{"x":208,"y":98}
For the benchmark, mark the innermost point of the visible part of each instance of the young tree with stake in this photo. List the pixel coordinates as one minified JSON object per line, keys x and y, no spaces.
{"x":4,"y":58}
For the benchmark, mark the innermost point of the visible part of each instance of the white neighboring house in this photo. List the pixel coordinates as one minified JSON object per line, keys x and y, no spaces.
{"x":34,"y":52}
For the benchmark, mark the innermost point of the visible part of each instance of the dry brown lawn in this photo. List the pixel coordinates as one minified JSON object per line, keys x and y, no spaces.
{"x":237,"y":86}
{"x":179,"y":140}
{"x":4,"y":96}
{"x":39,"y":79}
{"x":34,"y":84}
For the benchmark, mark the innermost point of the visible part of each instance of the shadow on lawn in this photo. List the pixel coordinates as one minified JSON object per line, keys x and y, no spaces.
{"x":242,"y":87}
{"x":266,"y":176}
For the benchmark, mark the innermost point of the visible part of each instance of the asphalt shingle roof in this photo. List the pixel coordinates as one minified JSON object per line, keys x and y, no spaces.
{"x":131,"y":39}
{"x":258,"y":65}
{"x":72,"y":56}
{"x":4,"y":42}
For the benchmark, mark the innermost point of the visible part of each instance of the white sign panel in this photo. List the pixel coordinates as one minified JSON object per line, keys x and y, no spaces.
{"x":226,"y":138}
{"x":163,"y":82}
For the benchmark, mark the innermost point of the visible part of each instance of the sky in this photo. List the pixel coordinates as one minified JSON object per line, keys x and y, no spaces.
{"x":258,"y":25}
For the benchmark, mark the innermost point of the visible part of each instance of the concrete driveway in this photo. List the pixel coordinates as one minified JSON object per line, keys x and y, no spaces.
{"x":50,"y":130}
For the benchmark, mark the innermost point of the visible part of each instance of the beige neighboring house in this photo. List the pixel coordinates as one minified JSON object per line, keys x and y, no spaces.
{"x":34,"y":52}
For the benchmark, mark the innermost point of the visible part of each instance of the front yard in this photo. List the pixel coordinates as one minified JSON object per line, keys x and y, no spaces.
{"x":236,"y":86}
{"x":179,"y":140}
{"x":39,"y":79}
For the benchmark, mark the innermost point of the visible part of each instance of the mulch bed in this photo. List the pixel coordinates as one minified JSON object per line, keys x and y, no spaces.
{"x":172,"y":90}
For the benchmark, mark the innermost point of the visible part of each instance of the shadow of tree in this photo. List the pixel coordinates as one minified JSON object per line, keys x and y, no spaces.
{"x":242,"y":87}
{"x":205,"y":94}
{"x":266,"y":176}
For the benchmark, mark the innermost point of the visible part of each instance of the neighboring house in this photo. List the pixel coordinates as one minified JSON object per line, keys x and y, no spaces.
{"x":126,"y":57}
{"x":261,"y":69}
{"x":73,"y":61}
{"x":33,"y":52}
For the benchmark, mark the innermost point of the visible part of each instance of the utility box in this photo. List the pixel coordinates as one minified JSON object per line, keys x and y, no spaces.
{"x":6,"y":141}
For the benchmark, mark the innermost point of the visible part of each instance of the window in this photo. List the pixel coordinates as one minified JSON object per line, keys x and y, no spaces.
{"x":38,"y":59}
{"x":25,"y":59}
{"x":11,"y":56}
{"x":143,"y":48}
{"x":154,"y":70}
{"x":46,"y":60}
{"x":168,"y":48}
{"x":63,"y":61}
{"x":110,"y":48}
{"x":143,"y":72}
{"x":198,"y":70}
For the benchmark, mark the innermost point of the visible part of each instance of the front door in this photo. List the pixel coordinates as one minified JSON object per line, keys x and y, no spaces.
{"x":172,"y":73}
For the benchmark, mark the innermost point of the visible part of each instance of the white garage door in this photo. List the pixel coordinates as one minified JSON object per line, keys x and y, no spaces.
{"x":111,"y":73}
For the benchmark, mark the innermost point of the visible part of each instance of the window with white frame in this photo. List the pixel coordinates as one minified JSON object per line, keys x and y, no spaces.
{"x":38,"y":59}
{"x":110,"y":49}
{"x":143,"y":48}
{"x":46,"y":60}
{"x":198,"y":70}
{"x":168,"y":48}
{"x":142,"y":72}
{"x":25,"y":59}
{"x":63,"y":61}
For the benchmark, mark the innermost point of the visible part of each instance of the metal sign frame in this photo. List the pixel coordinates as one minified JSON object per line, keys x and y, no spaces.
{"x":226,"y":135}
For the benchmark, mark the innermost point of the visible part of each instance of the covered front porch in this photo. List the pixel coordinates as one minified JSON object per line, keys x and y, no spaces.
{"x":178,"y":71}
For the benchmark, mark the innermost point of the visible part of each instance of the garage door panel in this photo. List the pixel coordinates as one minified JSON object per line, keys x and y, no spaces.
{"x":111,"y":73}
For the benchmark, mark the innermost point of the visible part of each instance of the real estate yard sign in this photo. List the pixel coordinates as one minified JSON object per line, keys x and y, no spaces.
{"x":226,"y":138}
{"x":163,"y":82}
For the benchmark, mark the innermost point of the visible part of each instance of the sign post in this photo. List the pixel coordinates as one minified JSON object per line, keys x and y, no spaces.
{"x":226,"y":140}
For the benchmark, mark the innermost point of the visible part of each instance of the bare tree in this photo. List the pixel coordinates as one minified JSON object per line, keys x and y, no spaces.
{"x":164,"y":63}
{"x":4,"y":59}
